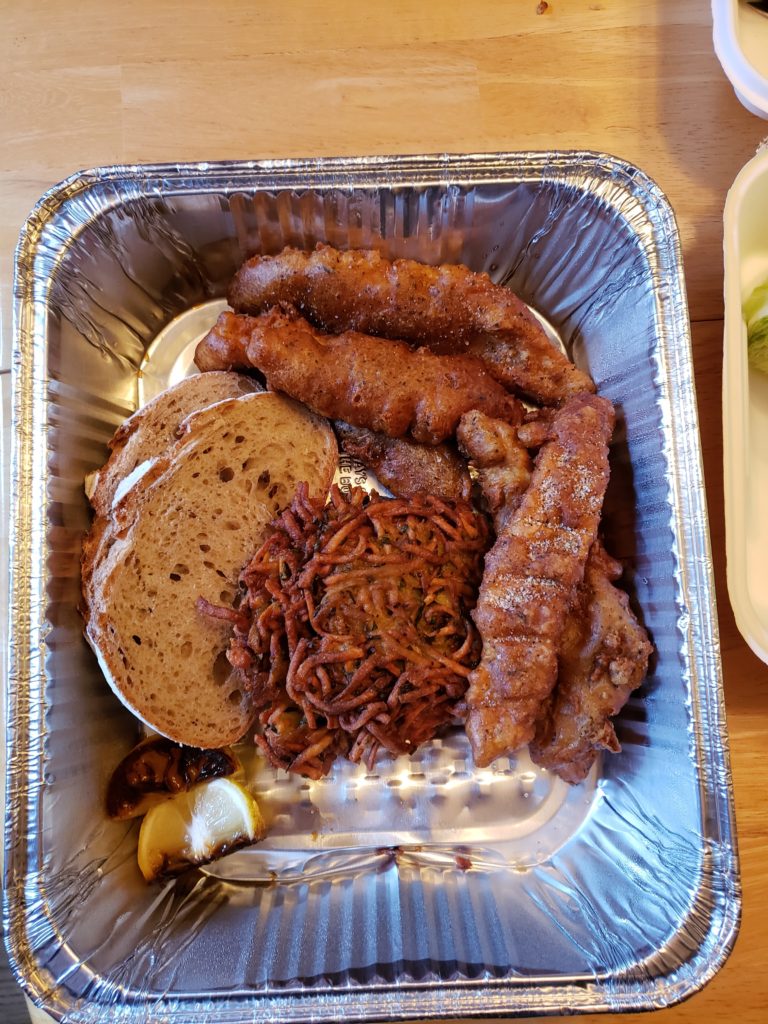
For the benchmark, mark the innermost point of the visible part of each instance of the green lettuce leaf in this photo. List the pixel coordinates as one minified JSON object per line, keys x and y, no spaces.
{"x":756,"y":315}
{"x":757,"y":342}
{"x":756,"y":306}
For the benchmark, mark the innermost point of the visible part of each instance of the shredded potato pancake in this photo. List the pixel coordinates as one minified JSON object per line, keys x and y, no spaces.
{"x":353,"y":632}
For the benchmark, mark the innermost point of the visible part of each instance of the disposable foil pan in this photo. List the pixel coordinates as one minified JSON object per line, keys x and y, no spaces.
{"x":425,"y":887}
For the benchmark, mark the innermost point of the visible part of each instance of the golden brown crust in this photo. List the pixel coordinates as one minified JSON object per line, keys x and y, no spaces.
{"x":603,"y":657}
{"x":406,"y":467}
{"x":370,"y":382}
{"x":448,"y":308}
{"x":530,"y":577}
{"x":223,"y":350}
{"x":502,"y":462}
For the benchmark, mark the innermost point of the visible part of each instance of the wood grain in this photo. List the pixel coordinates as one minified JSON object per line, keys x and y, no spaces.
{"x":104,"y":83}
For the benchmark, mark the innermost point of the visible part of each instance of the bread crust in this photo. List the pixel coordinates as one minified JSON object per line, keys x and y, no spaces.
{"x":153,"y":428}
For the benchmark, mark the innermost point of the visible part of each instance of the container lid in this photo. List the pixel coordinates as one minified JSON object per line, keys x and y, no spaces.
{"x":745,"y":407}
{"x":740,"y":34}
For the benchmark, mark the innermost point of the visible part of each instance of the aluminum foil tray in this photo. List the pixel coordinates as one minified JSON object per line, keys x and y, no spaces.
{"x":423,"y":888}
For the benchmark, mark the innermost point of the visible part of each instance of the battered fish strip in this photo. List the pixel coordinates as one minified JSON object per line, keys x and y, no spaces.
{"x":531,"y":574}
{"x":603,"y":658}
{"x":502,"y":462}
{"x":406,"y":467}
{"x":385,"y":386}
{"x":604,"y":651}
{"x":449,"y":308}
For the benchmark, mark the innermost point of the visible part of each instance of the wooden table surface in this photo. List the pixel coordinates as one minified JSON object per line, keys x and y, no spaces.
{"x":100,"y":83}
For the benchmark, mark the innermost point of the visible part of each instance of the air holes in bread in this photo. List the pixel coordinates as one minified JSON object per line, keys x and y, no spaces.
{"x":226,"y":474}
{"x":221,"y":668}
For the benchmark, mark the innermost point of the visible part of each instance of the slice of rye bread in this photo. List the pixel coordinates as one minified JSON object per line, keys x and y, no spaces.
{"x":153,"y":428}
{"x":144,"y":436}
{"x":185,"y":530}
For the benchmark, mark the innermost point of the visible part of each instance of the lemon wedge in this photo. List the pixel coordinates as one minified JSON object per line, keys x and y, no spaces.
{"x":196,"y":827}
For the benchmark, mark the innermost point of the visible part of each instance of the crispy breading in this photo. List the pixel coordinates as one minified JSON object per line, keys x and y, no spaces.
{"x":406,"y":467}
{"x":370,"y":382}
{"x":603,"y":657}
{"x":448,"y":308}
{"x":501,"y":460}
{"x":530,"y":578}
{"x":225,"y":347}
{"x":603,"y":653}
{"x":533,"y":432}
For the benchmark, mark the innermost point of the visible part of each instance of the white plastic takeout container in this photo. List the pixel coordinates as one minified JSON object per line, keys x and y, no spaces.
{"x":740,"y":35}
{"x":745,"y":407}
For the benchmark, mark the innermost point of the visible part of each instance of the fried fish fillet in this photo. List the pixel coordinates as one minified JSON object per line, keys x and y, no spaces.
{"x":385,"y":386}
{"x":225,"y":345}
{"x":603,"y":657}
{"x":531,"y":574}
{"x":603,"y":654}
{"x":501,"y":460}
{"x":406,"y":467}
{"x":448,"y":308}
